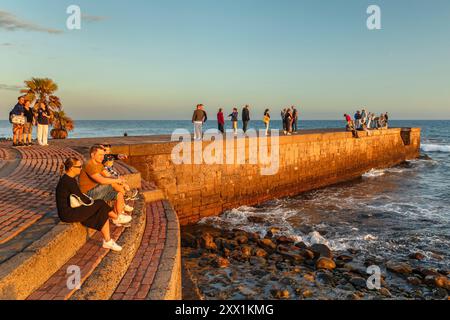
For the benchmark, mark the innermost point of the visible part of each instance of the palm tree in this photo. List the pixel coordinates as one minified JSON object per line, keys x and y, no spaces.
{"x":43,"y":89}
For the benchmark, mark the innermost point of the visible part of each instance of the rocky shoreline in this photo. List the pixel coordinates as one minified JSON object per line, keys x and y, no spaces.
{"x":234,"y":264}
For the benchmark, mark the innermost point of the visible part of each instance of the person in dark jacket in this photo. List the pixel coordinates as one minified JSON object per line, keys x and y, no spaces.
{"x":93,"y":214}
{"x":245,"y":117}
{"x":234,"y":119}
{"x":220,"y":120}
{"x":18,"y":110}
{"x":198,"y":118}
{"x":28,"y":127}
{"x":294,"y":119}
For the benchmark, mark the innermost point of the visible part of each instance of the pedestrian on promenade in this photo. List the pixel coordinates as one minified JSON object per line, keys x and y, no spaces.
{"x":283,"y":119}
{"x":43,"y":121}
{"x":234,"y":119}
{"x":294,"y":119}
{"x":30,"y":122}
{"x":357,"y":119}
{"x":74,"y":206}
{"x":220,"y":120}
{"x":17,"y":119}
{"x":350,"y":125}
{"x":245,"y":117}
{"x":266,"y":120}
{"x":288,"y":119}
{"x":96,"y":186}
{"x":198,"y":118}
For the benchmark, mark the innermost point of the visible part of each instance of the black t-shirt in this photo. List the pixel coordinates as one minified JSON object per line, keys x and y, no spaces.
{"x":41,"y":119}
{"x":28,"y":114}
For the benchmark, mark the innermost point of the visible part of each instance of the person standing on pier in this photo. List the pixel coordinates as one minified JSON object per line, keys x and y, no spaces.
{"x":357,"y":119}
{"x":43,"y":121}
{"x":294,"y":119}
{"x":16,"y":118}
{"x":30,"y":122}
{"x":234,"y":119}
{"x":198,"y":118}
{"x":266,"y":120}
{"x":220,"y":120}
{"x":245,"y":117}
{"x":283,"y":119}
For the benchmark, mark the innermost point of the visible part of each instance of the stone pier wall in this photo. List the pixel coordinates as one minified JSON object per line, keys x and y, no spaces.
{"x":306,"y":162}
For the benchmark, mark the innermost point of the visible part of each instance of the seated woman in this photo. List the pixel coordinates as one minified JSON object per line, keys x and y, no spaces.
{"x":93,"y":216}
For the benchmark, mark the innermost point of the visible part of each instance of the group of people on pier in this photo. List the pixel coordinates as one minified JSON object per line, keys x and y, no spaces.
{"x":85,"y":192}
{"x":364,"y":121}
{"x":24,"y":116}
{"x":289,"y":118}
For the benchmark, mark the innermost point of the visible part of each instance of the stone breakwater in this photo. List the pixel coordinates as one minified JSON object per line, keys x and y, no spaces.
{"x":234,"y":264}
{"x":307,"y":161}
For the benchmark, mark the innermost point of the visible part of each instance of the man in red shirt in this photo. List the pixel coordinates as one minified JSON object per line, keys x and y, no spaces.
{"x":220,"y":120}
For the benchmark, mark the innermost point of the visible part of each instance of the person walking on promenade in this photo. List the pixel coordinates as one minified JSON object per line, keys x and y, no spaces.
{"x":220,"y":120}
{"x":357,"y":119}
{"x":74,"y":206}
{"x":30,"y":122}
{"x":43,"y":121}
{"x":283,"y":119}
{"x":294,"y":119}
{"x":266,"y":120}
{"x":288,"y":120}
{"x":17,"y":119}
{"x":245,"y":117}
{"x":95,"y":185}
{"x":234,"y":119}
{"x":198,"y":118}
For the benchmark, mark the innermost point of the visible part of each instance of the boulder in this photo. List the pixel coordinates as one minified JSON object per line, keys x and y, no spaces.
{"x":417,"y":256}
{"x":255,"y":219}
{"x":188,"y":240}
{"x":325,"y":263}
{"x":220,"y":262}
{"x":272,"y":232}
{"x":358,"y":282}
{"x":259,"y":252}
{"x":399,"y":267}
{"x":321,"y":250}
{"x":267,"y":244}
{"x":241,"y":239}
{"x":207,"y":242}
{"x":285,"y":240}
{"x":246,"y":251}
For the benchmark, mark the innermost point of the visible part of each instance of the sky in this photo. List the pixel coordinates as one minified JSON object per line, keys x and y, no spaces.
{"x":144,"y":59}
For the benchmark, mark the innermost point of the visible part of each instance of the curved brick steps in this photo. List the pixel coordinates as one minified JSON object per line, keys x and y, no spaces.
{"x":31,"y":236}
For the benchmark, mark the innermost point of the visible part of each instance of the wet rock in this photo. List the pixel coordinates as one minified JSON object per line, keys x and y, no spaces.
{"x":253,"y":236}
{"x":226,"y":252}
{"x":316,"y":238}
{"x":258,"y":261}
{"x":246,"y":251}
{"x":241,"y":239}
{"x":230,"y":244}
{"x":207,"y":242}
{"x":399,"y":267}
{"x":220,"y":262}
{"x":325,"y":263}
{"x":438,"y":281}
{"x":437,"y":256}
{"x":305,"y":229}
{"x":309,"y":277}
{"x":188,"y":241}
{"x":417,"y":256}
{"x":255,"y":219}
{"x":414,"y":281}
{"x":272,"y":232}
{"x":280,"y":294}
{"x":356,"y":268}
{"x":358,"y":282}
{"x":301,"y":245}
{"x":267,"y":244}
{"x":321,"y":250}
{"x":426,"y":272}
{"x":344,"y":258}
{"x":195,"y":254}
{"x":259,"y":252}
{"x":325,"y":278}
{"x":425,"y":157}
{"x":249,"y":293}
{"x":353,"y":251}
{"x":307,"y":293}
{"x":307,"y":254}
{"x":285,"y":240}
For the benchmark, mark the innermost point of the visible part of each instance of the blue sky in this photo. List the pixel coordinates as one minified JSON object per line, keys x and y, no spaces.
{"x":158,"y":59}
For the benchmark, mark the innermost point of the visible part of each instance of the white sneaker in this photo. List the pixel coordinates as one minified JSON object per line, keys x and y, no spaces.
{"x":128,"y":208}
{"x":122,"y":219}
{"x":111,"y":244}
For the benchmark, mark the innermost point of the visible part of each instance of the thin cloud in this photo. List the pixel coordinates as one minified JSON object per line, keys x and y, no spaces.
{"x":10,"y":22}
{"x":9,"y":87}
{"x":90,"y":18}
{"x":5,"y":44}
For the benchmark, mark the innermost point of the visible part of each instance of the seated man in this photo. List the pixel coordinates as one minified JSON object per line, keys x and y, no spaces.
{"x":95,"y":185}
